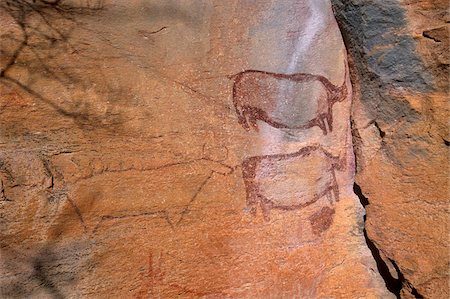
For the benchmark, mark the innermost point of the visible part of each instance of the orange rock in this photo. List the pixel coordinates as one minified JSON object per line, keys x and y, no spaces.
{"x":399,"y":52}
{"x":123,"y":160}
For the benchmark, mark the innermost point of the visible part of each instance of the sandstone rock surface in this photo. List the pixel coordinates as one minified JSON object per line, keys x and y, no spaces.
{"x":400,"y":58}
{"x":178,"y":149}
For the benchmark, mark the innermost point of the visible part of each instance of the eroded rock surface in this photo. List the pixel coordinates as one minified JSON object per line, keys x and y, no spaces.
{"x":399,"y":54}
{"x":134,"y":163}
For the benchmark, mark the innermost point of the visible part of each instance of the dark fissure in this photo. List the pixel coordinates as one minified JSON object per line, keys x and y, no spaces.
{"x":349,"y":18}
{"x":393,"y":284}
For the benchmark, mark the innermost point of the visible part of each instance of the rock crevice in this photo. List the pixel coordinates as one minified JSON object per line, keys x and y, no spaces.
{"x":399,"y":71}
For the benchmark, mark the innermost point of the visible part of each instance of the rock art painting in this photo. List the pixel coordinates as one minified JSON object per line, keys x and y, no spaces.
{"x":177,"y":149}
{"x":322,"y":220}
{"x":290,"y":181}
{"x":256,"y":94}
{"x":151,"y":276}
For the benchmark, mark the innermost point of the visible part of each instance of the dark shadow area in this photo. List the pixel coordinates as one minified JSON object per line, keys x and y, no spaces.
{"x":41,"y":275}
{"x":362,"y":198}
{"x":384,"y":57}
{"x":47,"y":251}
{"x":394,"y":285}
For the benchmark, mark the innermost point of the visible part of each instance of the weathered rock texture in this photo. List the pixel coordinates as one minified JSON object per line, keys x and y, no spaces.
{"x":399,"y":52}
{"x":185,"y":149}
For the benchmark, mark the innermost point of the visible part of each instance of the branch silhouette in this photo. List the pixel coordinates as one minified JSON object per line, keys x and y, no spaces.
{"x":34,"y":42}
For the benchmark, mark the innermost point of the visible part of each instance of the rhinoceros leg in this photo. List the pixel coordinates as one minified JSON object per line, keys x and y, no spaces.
{"x":320,"y":122}
{"x":330,"y":196}
{"x":249,"y":118}
{"x":252,"y":198}
{"x":242,"y":112}
{"x":252,"y":120}
{"x":334,"y":186}
{"x":266,"y":206}
{"x":329,"y":119}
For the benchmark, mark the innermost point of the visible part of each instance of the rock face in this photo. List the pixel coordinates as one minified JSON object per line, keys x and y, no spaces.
{"x":399,"y":54}
{"x":186,"y":149}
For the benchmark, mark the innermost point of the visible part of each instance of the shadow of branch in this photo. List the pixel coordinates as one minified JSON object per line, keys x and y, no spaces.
{"x":41,"y":33}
